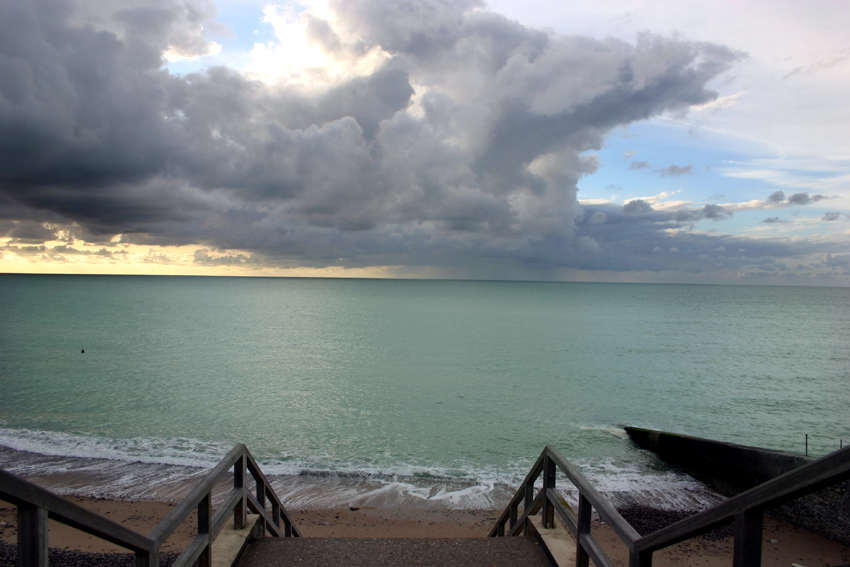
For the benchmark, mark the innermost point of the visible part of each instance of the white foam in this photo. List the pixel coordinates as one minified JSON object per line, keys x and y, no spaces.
{"x":164,"y":469}
{"x":174,"y":451}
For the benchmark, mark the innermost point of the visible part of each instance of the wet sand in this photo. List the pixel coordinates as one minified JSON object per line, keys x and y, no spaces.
{"x":784,"y":545}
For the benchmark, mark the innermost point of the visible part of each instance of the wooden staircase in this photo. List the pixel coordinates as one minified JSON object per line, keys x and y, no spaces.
{"x":377,"y":552}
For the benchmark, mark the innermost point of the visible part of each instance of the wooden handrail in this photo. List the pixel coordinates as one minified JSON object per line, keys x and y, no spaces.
{"x":746,"y":510}
{"x":604,"y":508}
{"x":190,"y":502}
{"x":24,"y":494}
{"x":36,"y":504}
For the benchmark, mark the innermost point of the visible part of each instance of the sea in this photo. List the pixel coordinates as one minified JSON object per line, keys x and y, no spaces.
{"x":406,"y":393}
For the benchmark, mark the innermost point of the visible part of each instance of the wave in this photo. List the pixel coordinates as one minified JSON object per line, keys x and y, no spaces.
{"x":174,"y":451}
{"x":166,"y":469}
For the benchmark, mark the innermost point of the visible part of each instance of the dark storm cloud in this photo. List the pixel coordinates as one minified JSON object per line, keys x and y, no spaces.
{"x":98,"y":139}
{"x":804,"y":199}
{"x":776,"y":197}
{"x":715,"y":212}
{"x":675,"y":171}
{"x":637,"y":207}
{"x":31,"y":233}
{"x":653,"y":242}
{"x":842,"y":260}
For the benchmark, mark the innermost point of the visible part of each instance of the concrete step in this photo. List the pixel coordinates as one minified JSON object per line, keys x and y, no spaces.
{"x":373,"y":552}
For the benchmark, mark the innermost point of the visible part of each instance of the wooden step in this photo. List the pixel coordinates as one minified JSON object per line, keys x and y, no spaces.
{"x":374,"y":552}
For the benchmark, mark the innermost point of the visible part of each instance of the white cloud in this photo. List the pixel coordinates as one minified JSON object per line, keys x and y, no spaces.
{"x":311,"y":51}
{"x":174,"y":54}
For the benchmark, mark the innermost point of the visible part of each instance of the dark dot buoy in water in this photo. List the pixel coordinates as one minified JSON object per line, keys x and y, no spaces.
{"x":83,"y":351}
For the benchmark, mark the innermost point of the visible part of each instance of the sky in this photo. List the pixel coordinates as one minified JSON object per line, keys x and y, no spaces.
{"x":623,"y":141}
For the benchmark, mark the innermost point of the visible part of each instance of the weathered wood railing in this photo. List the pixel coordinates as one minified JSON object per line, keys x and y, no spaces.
{"x":746,"y":510}
{"x":35,"y":505}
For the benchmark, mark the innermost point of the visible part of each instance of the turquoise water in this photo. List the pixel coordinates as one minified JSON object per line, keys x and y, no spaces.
{"x":418,"y":387}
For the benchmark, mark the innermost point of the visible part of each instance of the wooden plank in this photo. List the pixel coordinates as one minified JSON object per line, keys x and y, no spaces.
{"x":560,"y":545}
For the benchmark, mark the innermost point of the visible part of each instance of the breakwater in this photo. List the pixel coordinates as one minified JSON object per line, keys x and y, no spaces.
{"x":730,"y":469}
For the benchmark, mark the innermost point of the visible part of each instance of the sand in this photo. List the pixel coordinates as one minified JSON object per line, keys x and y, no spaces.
{"x":784,"y":545}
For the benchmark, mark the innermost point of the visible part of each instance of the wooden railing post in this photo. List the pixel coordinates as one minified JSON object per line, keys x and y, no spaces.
{"x":276,"y":519}
{"x":32,"y":536}
{"x":240,"y":513}
{"x":526,"y":505}
{"x":748,"y":532}
{"x":204,"y":527}
{"x":640,"y":559}
{"x":147,"y":559}
{"x":585,"y":512}
{"x":261,"y":499}
{"x":548,"y":482}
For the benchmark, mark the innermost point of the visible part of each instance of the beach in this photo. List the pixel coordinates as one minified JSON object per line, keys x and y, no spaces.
{"x":784,"y":545}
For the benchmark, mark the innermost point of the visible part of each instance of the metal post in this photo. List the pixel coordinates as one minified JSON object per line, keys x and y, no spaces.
{"x":807,"y":444}
{"x":32,"y":536}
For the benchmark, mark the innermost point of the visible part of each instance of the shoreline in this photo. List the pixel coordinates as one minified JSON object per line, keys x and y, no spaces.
{"x":134,"y":480}
{"x":783,"y":545}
